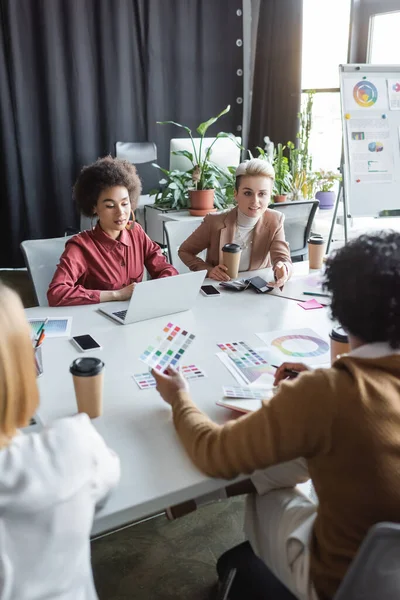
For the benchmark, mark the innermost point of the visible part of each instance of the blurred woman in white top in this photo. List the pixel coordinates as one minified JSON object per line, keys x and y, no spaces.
{"x":50,"y":482}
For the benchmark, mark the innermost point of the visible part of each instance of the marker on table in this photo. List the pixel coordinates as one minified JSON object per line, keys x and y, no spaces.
{"x":40,"y":339}
{"x":320,"y":294}
{"x":42,"y":327}
{"x":291,"y":372}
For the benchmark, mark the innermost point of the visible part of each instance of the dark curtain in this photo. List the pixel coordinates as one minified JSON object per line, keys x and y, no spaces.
{"x":78,"y":75}
{"x":277,"y":72}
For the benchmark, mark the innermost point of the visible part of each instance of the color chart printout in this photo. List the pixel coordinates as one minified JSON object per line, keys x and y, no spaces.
{"x":168,"y":348}
{"x":146,"y":380}
{"x":248,"y":362}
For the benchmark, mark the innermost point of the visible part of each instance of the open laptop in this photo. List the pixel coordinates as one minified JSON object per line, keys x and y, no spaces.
{"x":157,"y":297}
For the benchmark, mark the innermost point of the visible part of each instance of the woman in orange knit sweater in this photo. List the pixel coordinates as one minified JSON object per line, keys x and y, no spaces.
{"x":339,"y":426}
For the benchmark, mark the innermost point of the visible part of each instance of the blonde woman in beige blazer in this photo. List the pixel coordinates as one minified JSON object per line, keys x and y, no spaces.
{"x":251,"y":224}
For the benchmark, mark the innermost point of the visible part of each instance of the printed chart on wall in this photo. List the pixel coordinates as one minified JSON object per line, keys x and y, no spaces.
{"x":371,"y":129}
{"x":297,"y":345}
{"x":371,"y":150}
{"x":394,"y":93}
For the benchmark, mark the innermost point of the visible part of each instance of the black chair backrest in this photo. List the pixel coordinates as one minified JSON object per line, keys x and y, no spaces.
{"x":299,"y":216}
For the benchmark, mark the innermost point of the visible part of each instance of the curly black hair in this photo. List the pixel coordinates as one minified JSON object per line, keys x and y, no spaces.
{"x":364,"y":280}
{"x":104,"y":173}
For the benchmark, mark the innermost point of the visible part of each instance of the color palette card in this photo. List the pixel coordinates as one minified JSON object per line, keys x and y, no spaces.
{"x":146,"y":380}
{"x":55,"y":327}
{"x":247,"y":392}
{"x":168,"y":348}
{"x":192,"y":372}
{"x":248,"y":363}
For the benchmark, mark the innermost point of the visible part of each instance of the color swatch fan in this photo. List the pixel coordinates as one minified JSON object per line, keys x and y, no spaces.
{"x":168,"y":348}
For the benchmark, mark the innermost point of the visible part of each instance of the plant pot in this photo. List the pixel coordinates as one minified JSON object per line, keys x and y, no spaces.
{"x":326,"y":199}
{"x":201,"y":202}
{"x":280,"y":197}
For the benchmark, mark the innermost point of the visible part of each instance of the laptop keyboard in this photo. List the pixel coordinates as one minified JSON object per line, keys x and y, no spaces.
{"x":121,"y":314}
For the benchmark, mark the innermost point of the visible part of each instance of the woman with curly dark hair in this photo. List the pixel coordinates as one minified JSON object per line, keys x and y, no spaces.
{"x":104,"y":264}
{"x":340,"y":426}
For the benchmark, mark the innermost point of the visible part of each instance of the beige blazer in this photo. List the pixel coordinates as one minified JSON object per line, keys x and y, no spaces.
{"x":269,"y":244}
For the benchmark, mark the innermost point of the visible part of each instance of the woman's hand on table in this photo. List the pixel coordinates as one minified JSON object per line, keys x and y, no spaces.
{"x":219,"y":273}
{"x":126,"y":292}
{"x":281,"y":275}
{"x":169,"y":384}
{"x":289,"y":370}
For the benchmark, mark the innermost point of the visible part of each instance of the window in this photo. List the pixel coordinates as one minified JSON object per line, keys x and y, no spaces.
{"x":325,"y":42}
{"x":384,"y":47}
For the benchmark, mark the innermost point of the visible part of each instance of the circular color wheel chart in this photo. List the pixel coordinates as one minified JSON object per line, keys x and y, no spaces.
{"x":365,"y":94}
{"x":317,"y":346}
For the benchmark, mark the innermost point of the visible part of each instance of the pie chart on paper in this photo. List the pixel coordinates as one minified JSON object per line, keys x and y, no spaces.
{"x":365,"y":94}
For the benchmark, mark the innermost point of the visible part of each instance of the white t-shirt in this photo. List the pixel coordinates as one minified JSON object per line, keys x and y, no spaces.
{"x":50,"y":483}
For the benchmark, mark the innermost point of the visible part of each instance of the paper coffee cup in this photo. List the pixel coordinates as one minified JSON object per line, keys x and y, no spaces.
{"x":231,"y":258}
{"x":339,"y":343}
{"x":88,"y":375}
{"x":316,"y":251}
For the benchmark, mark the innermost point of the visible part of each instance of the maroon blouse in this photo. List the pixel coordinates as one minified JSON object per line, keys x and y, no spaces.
{"x":92,"y":262}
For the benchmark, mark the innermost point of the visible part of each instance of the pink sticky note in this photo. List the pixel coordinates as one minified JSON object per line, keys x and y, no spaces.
{"x":310,"y":304}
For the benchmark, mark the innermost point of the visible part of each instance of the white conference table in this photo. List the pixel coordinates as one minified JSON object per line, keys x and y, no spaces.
{"x":137,"y":424}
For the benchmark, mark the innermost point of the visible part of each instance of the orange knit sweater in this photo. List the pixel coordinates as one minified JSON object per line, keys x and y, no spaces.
{"x":346,"y":422}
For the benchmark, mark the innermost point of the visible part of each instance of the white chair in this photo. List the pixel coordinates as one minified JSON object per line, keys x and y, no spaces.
{"x":176,"y":232}
{"x":41,"y":258}
{"x":142,"y":155}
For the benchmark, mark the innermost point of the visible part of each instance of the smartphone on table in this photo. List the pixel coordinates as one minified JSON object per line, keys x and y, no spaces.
{"x":209,"y":290}
{"x":85,"y":343}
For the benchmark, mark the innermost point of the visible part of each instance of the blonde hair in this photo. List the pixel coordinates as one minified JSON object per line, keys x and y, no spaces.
{"x":19,"y":395}
{"x":255,"y":166}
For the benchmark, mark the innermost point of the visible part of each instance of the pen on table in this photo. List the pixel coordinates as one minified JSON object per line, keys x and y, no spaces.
{"x":316,"y":294}
{"x":291,"y":372}
{"x":40,"y":339}
{"x":42,"y":327}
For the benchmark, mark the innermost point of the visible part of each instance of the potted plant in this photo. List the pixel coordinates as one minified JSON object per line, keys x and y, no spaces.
{"x":205,"y":175}
{"x":283,"y":179}
{"x":325,"y":180}
{"x":300,"y":159}
{"x":174,"y":189}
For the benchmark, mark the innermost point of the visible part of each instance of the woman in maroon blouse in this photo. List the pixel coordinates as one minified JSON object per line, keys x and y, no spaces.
{"x":105,"y":263}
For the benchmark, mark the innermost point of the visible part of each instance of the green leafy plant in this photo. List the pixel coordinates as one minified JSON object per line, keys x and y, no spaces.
{"x":300,"y":159}
{"x":202,"y":172}
{"x":174,"y":189}
{"x":283,"y":177}
{"x":325,"y":180}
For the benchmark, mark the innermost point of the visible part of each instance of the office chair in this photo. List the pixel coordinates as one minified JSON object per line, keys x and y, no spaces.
{"x":176,"y":232}
{"x":299,"y":217}
{"x":41,"y":258}
{"x":375,"y":572}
